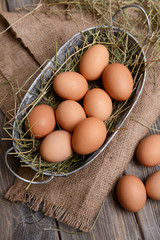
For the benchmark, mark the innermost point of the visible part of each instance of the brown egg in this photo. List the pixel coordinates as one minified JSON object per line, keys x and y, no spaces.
{"x":88,"y":135}
{"x":97,"y":103}
{"x":118,"y":81}
{"x":93,"y":62}
{"x":41,"y":121}
{"x":152,"y":186}
{"x":70,"y":85}
{"x":56,"y":147}
{"x":68,"y":114}
{"x":131,"y":193}
{"x":148,"y":151}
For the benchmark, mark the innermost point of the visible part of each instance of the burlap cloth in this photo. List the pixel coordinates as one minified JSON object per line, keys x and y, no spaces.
{"x":77,"y":198}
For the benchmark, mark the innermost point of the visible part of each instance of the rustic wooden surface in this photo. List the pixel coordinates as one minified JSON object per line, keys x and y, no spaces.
{"x":17,"y":222}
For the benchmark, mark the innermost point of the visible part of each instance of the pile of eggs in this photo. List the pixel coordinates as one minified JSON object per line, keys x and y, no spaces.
{"x":131,"y":191}
{"x":81,"y":126}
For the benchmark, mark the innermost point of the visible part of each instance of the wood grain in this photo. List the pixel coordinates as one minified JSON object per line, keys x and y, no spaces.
{"x":3,"y":5}
{"x":14,"y":5}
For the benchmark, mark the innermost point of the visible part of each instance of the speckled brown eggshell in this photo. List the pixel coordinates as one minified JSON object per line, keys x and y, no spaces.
{"x":88,"y":135}
{"x":93,"y":62}
{"x":56,"y":147}
{"x":153,"y":186}
{"x":117,"y":81}
{"x":148,"y":151}
{"x":131,"y":193}
{"x":41,"y":121}
{"x":97,"y":103}
{"x":68,"y":114}
{"x":70,"y":85}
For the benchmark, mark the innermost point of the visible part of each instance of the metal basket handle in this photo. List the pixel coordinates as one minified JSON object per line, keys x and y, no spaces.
{"x":21,"y":178}
{"x":147,"y":18}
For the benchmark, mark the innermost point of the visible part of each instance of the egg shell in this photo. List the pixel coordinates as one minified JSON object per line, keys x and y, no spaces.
{"x":148,"y":151}
{"x":97,"y":103}
{"x":152,"y":186}
{"x":56,"y":147}
{"x":88,"y":135}
{"x":70,"y":85}
{"x":68,"y":114}
{"x":117,"y":81}
{"x":93,"y":62}
{"x":131,"y":193}
{"x":41,"y":120}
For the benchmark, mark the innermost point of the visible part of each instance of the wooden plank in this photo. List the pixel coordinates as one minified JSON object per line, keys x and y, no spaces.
{"x":3,"y":5}
{"x":113,"y":223}
{"x":17,"y":221}
{"x":14,"y":5}
{"x":149,"y":216}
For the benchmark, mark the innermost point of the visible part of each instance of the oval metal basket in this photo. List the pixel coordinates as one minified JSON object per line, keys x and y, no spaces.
{"x":68,"y":49}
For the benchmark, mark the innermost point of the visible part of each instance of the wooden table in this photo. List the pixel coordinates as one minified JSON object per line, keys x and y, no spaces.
{"x":17,"y":222}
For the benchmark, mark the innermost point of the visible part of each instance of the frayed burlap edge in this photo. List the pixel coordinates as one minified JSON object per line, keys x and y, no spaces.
{"x":51,"y":209}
